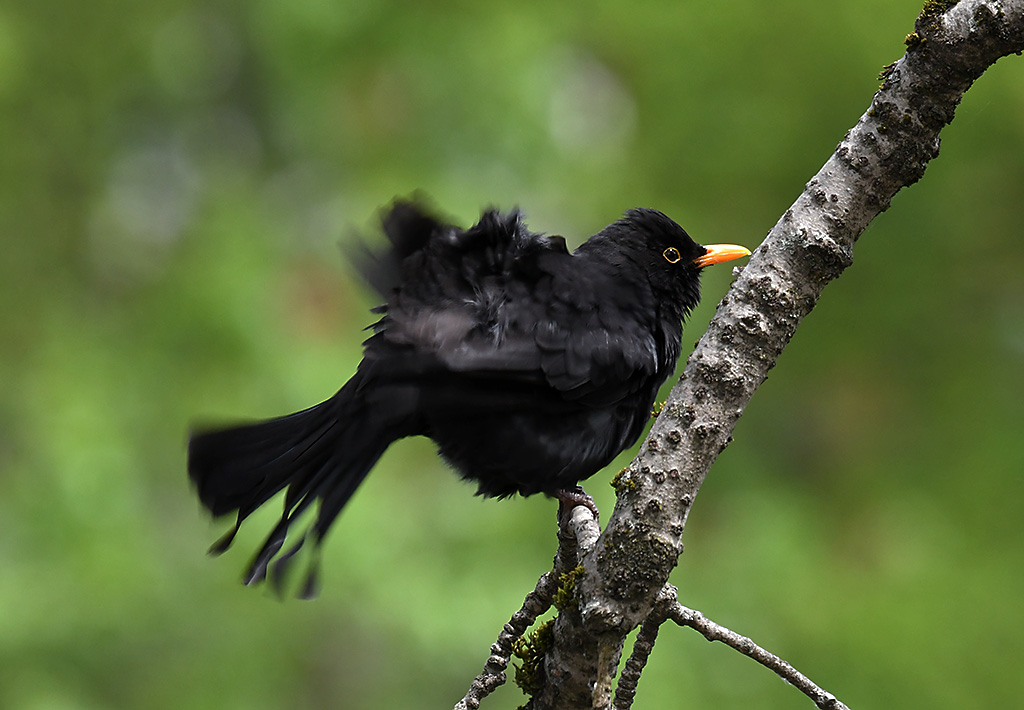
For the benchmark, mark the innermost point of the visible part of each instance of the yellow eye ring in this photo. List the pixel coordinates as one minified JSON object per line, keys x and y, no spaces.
{"x":671,"y":255}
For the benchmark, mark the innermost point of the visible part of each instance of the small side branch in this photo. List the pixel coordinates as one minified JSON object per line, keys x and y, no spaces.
{"x":667,"y":607}
{"x":685,"y":616}
{"x":536,"y":603}
{"x":642,"y":647}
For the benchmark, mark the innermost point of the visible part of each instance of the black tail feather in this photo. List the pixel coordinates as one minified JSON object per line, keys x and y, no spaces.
{"x":319,"y":454}
{"x":279,"y":570}
{"x":258,"y":569}
{"x":225,"y":540}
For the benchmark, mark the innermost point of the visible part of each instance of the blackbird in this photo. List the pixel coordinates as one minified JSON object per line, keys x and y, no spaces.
{"x":529,"y":366}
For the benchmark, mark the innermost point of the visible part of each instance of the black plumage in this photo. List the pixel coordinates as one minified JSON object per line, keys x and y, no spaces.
{"x":530,"y":367}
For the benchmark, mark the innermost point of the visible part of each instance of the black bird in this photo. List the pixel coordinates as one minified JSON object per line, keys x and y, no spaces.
{"x":529,"y":366}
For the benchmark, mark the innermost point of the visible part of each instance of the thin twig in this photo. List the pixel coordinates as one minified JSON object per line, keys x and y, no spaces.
{"x":685,"y":616}
{"x":642,"y":647}
{"x":536,"y":603}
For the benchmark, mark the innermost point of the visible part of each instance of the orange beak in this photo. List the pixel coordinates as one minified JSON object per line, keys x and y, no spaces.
{"x":717,"y":253}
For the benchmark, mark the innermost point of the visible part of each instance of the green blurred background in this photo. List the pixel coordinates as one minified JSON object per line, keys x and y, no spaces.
{"x":174,"y":180}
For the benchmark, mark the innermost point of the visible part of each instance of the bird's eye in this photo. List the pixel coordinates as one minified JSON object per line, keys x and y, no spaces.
{"x":671,"y":255}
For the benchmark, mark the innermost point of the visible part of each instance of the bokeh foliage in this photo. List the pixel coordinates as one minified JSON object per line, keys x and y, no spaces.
{"x":174,"y":179}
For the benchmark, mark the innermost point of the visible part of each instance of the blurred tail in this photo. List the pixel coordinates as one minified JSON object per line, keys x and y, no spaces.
{"x":323,"y":452}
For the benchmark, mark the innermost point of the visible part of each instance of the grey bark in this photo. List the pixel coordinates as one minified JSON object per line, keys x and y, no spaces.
{"x":888,"y":149}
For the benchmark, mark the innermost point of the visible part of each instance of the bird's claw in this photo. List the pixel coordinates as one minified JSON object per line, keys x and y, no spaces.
{"x":569,"y":498}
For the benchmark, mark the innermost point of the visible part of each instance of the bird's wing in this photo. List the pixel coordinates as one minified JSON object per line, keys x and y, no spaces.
{"x":598,"y":343}
{"x":409,"y":227}
{"x":500,"y":304}
{"x":459,"y":298}
{"x":586,"y":348}
{"x":432,"y":262}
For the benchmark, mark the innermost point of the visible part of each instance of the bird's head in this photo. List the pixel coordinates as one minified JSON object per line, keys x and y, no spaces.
{"x":670,"y":258}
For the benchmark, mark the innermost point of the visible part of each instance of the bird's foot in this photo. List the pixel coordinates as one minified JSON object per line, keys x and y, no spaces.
{"x":569,"y":498}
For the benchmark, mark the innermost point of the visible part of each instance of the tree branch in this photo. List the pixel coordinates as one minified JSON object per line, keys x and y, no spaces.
{"x":666,"y":607}
{"x":536,"y":603}
{"x":642,"y":647}
{"x":685,"y":616}
{"x":812,"y":244}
